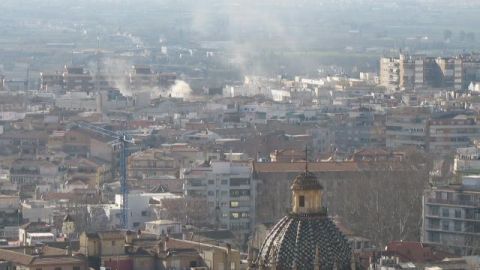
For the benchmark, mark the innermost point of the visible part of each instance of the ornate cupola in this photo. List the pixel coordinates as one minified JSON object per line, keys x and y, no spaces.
{"x":307,"y":194}
{"x":306,"y":238}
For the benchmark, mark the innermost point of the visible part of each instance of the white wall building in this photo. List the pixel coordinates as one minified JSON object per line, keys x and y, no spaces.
{"x":229,"y":189}
{"x":163,"y":227}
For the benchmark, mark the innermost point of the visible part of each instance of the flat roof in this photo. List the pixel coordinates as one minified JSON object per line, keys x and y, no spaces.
{"x":162,"y":222}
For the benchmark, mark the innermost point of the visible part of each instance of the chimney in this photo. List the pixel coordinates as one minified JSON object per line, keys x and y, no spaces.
{"x":68,"y":251}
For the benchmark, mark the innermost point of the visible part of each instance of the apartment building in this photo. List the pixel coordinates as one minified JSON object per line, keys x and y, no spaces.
{"x":151,"y":163}
{"x":436,"y":132}
{"x":451,"y":216}
{"x":229,"y":189}
{"x":408,"y":72}
{"x":467,"y":161}
{"x":451,"y":72}
{"x":407,"y":126}
{"x":10,"y":216}
{"x":405,"y":72}
{"x":448,"y":131}
{"x":77,"y":79}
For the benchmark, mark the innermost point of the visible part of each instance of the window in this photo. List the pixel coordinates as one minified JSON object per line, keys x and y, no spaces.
{"x":113,"y":243}
{"x":224,"y":182}
{"x":233,"y":204}
{"x":458,"y":213}
{"x":76,"y":268}
{"x":434,"y":210}
{"x":445,"y":225}
{"x":434,"y":237}
{"x":434,"y":224}
{"x":211,"y":193}
{"x":445,"y":212}
{"x":211,"y":182}
{"x":458,"y":226}
{"x":301,"y":201}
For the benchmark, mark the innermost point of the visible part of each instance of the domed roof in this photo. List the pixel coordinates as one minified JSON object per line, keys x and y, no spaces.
{"x":295,"y":239}
{"x":306,"y":180}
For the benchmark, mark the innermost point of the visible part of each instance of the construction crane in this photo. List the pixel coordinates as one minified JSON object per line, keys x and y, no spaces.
{"x":123,"y":140}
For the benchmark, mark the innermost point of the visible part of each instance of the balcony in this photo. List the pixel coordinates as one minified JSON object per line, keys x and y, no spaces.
{"x":459,"y":203}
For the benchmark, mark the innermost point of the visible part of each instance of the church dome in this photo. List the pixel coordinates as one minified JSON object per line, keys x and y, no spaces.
{"x":297,"y":240}
{"x":306,"y":180}
{"x":307,"y":238}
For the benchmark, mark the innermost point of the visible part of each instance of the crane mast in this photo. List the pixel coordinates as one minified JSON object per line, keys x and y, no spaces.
{"x":122,"y":139}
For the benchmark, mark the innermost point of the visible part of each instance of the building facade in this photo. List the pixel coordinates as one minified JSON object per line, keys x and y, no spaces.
{"x":451,"y":217}
{"x":229,"y":189}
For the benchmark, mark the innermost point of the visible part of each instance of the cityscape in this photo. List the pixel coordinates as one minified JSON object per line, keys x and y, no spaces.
{"x":239,"y":135}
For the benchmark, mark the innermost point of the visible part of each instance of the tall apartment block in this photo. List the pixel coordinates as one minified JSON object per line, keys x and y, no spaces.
{"x":229,"y":189}
{"x":408,"y":72}
{"x":451,"y":218}
{"x":437,"y":132}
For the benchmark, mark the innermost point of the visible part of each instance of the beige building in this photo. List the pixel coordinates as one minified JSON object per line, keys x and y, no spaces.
{"x":151,"y":163}
{"x":129,"y":251}
{"x":45,"y":258}
{"x":408,"y":72}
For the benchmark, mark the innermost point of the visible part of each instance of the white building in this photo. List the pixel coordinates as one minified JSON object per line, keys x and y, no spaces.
{"x":229,"y":189}
{"x":467,"y":160}
{"x":36,"y":210}
{"x":77,"y":101}
{"x":139,"y":209}
{"x":451,"y":216}
{"x":163,"y":227}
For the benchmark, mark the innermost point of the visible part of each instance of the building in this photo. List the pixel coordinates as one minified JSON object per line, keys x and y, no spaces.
{"x":10,"y":216}
{"x":306,"y":238}
{"x":33,"y":228}
{"x":229,"y":190}
{"x":451,"y":216}
{"x":163,"y":227}
{"x":408,"y":72}
{"x":407,"y":127}
{"x":405,"y":72}
{"x":35,"y":258}
{"x":359,"y":128}
{"x":436,"y":132}
{"x":451,"y":73}
{"x":142,"y":77}
{"x":122,"y":250}
{"x":467,"y":161}
{"x":151,"y":163}
{"x":77,"y":79}
{"x":451,"y":130}
{"x":77,"y":101}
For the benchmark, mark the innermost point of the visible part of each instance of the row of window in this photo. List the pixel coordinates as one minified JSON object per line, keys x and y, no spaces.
{"x":446,"y":212}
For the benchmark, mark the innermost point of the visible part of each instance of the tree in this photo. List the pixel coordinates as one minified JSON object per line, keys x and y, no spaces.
{"x":386,"y":205}
{"x":194,"y":211}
